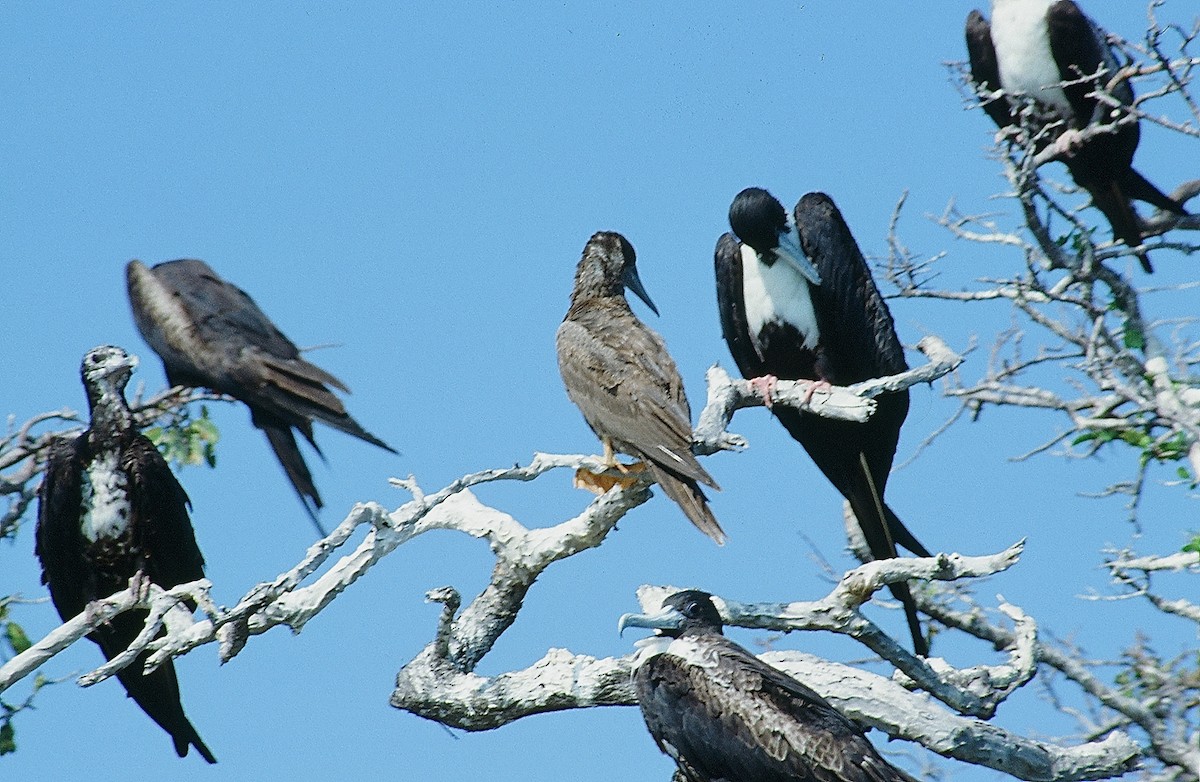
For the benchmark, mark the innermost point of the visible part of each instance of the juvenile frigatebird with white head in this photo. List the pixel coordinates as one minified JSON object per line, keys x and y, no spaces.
{"x":797,"y":302}
{"x":110,"y":511}
{"x":722,"y":714}
{"x":1029,"y":50}
{"x":210,"y":334}
{"x":621,"y":377}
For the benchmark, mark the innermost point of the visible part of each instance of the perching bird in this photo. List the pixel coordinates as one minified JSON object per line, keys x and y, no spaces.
{"x":209,"y":333}
{"x":111,"y":510}
{"x":1028,"y":50}
{"x":620,"y":375}
{"x":797,"y":302}
{"x":723,"y":715}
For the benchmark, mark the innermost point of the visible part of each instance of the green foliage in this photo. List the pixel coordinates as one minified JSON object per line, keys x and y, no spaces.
{"x":14,"y":641}
{"x":1172,"y":448}
{"x":188,"y":440}
{"x":1192,"y":545}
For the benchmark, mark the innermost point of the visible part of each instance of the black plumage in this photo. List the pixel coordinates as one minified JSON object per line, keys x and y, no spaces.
{"x":1027,"y":50}
{"x":110,"y":509}
{"x":797,"y":302}
{"x":723,"y":715}
{"x":620,"y":375}
{"x":210,"y":334}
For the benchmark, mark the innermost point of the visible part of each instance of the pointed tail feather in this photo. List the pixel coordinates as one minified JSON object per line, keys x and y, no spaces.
{"x":1116,"y":207}
{"x":691,"y":500}
{"x":902,"y":593}
{"x":283,"y":443}
{"x":157,"y":692}
{"x":1137,"y":186}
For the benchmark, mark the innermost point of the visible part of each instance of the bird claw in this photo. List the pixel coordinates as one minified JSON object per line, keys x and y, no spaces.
{"x":824,"y":386}
{"x":1068,"y":143}
{"x":765,"y":386}
{"x":599,"y":483}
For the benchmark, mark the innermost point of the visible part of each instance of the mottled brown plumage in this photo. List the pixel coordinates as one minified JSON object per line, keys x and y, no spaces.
{"x":620,"y":375}
{"x":210,"y":334}
{"x":724,"y":715}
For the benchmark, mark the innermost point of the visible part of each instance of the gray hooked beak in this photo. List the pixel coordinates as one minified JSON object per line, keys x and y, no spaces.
{"x":790,"y":252}
{"x":666,"y":619}
{"x":634,"y":283}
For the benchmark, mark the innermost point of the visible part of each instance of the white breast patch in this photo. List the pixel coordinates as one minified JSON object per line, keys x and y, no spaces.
{"x":776,"y":294}
{"x":1022,"y":41}
{"x":106,"y":509}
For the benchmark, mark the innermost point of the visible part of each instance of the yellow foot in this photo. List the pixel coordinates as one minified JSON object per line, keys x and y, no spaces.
{"x":598,"y":483}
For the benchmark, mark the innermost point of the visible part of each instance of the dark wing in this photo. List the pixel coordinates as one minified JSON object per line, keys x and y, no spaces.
{"x":628,"y":389}
{"x":731,"y":306}
{"x":160,"y":516}
{"x":985,"y":70}
{"x":210,"y":333}
{"x":857,"y":333}
{"x":1079,"y":49}
{"x":740,"y":719}
{"x":59,"y":545}
{"x":620,"y":376}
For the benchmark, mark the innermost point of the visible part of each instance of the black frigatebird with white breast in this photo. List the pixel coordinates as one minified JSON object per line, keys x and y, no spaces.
{"x":621,"y":377}
{"x":1030,"y":48}
{"x":797,"y":302}
{"x":722,"y":714}
{"x":110,"y":510}
{"x":210,"y":334}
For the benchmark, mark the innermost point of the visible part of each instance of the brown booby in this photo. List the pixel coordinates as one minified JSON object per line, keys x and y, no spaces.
{"x":621,"y":377}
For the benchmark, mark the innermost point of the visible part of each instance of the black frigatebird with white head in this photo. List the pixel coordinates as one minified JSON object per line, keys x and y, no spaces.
{"x":722,"y":714}
{"x":797,"y":302}
{"x":110,"y":510}
{"x":1028,"y":50}
{"x":621,"y":377}
{"x":210,"y":334}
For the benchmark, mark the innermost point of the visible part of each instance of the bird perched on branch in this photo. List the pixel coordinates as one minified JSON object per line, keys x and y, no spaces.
{"x":723,"y":715}
{"x":110,"y":510}
{"x":797,"y":302}
{"x":621,"y":377}
{"x":210,"y":334}
{"x":1050,"y":52}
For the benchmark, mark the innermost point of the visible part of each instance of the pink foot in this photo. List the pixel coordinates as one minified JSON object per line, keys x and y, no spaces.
{"x":1068,"y":143}
{"x":765,"y":386}
{"x":817,"y":385}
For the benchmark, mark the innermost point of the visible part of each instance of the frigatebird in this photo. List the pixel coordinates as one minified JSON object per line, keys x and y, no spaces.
{"x":210,"y":334}
{"x":797,"y":302}
{"x":110,"y":510}
{"x":621,"y":377}
{"x":722,"y":714}
{"x":1030,"y":49}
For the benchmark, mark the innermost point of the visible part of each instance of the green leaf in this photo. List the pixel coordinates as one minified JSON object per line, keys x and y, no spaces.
{"x":1133,"y":337}
{"x":16,"y":637}
{"x":1193,"y":545}
{"x":8,"y":738}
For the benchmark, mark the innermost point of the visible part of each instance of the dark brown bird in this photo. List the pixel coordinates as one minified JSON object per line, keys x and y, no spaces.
{"x":797,"y":302}
{"x":1028,"y":49}
{"x":723,"y":715}
{"x":111,"y":509}
{"x":620,"y":375}
{"x":210,"y":334}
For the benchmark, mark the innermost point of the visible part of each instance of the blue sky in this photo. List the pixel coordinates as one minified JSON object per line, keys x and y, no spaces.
{"x":415,"y":185}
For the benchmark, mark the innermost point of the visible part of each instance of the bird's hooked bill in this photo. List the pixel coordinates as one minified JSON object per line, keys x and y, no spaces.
{"x":790,"y":252}
{"x":666,"y":619}
{"x":634,"y":283}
